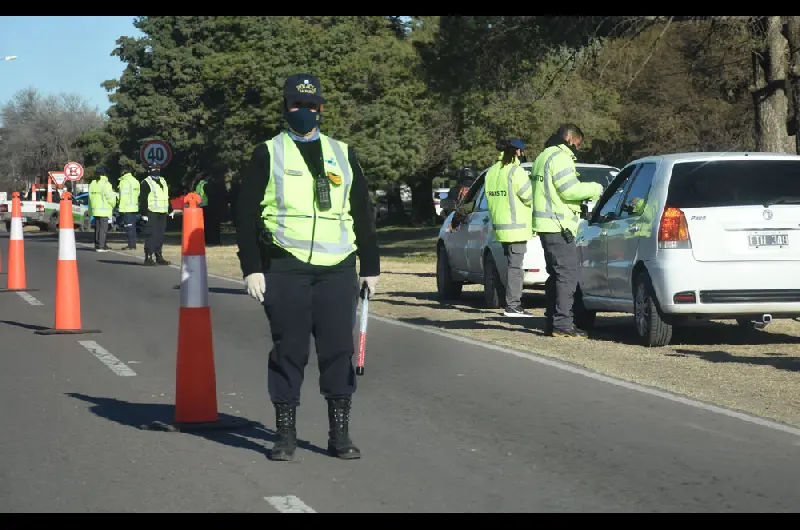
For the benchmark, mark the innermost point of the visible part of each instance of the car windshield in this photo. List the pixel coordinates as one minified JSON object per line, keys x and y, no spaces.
{"x":734,"y":183}
{"x":600,"y":175}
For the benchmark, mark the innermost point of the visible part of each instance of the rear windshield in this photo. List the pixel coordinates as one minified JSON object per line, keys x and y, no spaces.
{"x":734,"y":183}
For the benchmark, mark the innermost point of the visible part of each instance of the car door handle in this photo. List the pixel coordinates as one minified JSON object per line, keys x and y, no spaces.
{"x":485,"y":220}
{"x":633,"y":229}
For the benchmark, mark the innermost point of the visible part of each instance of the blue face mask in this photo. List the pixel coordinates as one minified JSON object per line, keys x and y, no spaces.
{"x":302,"y":121}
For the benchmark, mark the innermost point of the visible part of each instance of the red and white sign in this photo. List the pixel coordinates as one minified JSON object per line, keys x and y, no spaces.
{"x":155,"y":153}
{"x":58,"y":177}
{"x":74,"y":171}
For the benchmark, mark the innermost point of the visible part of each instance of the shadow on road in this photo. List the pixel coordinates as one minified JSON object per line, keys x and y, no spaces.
{"x":120,"y":262}
{"x":218,"y":290}
{"x":139,"y":414}
{"x":32,"y":327}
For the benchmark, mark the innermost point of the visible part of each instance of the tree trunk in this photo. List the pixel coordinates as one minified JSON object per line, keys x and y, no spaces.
{"x":770,"y":65}
{"x":423,"y":211}
{"x":793,"y":37}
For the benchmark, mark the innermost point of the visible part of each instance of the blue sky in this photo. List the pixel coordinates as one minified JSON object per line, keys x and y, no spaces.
{"x":62,"y":54}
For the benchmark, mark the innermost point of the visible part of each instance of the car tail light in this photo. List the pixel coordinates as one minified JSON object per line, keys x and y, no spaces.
{"x":684,"y":297}
{"x":673,"y":231}
{"x":531,"y":270}
{"x":40,"y":207}
{"x":3,"y":208}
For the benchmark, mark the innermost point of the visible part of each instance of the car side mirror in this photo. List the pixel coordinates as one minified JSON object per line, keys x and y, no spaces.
{"x":448,"y":205}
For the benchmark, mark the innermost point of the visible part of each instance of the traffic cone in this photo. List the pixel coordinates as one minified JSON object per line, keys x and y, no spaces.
{"x":16,"y":250}
{"x":195,"y":385}
{"x":68,"y":291}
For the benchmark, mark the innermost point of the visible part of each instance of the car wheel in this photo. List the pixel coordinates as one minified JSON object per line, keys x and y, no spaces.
{"x":652,"y":329}
{"x":494,"y":292}
{"x":8,"y":226}
{"x":446,"y":287}
{"x":584,"y":319}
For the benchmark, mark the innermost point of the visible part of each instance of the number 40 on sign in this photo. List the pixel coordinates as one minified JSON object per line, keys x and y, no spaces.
{"x":155,"y":153}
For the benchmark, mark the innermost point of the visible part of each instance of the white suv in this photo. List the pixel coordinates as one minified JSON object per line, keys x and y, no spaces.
{"x":472,"y":255}
{"x":688,"y":237}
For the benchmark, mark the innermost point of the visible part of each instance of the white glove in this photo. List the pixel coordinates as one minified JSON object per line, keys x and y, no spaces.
{"x":144,"y":218}
{"x":256,"y":285}
{"x":371,"y":281}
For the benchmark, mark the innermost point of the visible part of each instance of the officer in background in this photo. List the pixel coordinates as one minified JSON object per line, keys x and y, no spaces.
{"x":509,"y":196}
{"x":557,"y":197}
{"x":102,"y":200}
{"x":303,"y":216}
{"x":129,"y":189}
{"x":154,"y":205}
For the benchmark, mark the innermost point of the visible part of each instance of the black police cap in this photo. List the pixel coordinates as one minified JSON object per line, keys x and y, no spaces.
{"x":303,"y":87}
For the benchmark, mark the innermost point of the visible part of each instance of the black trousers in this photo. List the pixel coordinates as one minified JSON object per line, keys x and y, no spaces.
{"x":562,"y":266}
{"x":154,"y":232}
{"x":304,"y":300}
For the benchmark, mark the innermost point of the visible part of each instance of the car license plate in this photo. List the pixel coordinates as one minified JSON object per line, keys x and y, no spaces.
{"x":769,"y":240}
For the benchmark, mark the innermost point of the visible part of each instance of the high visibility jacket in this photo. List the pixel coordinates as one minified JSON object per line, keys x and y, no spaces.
{"x":158,"y":196}
{"x":129,"y":189}
{"x":102,"y":197}
{"x":291,"y":213}
{"x":509,"y":195}
{"x":557,"y":192}
{"x":200,"y":189}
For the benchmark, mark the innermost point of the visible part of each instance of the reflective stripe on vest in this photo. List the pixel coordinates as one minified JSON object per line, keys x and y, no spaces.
{"x":290,"y":210}
{"x":158,"y":199}
{"x":128,"y":194}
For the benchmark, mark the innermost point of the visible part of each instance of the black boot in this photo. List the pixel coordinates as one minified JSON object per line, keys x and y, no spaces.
{"x":148,"y":259}
{"x":286,"y":444}
{"x":160,"y":259}
{"x":339,"y":443}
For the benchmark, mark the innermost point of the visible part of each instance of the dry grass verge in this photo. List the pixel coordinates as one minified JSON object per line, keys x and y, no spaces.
{"x":755,"y":372}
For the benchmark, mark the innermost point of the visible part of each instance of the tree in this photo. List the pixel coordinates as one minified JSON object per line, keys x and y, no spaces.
{"x":41,"y":134}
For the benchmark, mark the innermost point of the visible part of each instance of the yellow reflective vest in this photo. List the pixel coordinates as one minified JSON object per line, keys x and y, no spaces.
{"x":129,"y":189}
{"x":290,"y":211}
{"x":102,"y":197}
{"x":509,"y":195}
{"x":557,"y":192}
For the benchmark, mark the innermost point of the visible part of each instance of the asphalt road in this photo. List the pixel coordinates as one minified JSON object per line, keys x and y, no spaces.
{"x":444,"y":426}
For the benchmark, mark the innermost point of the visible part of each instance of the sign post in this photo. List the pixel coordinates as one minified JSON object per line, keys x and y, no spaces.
{"x":155,"y":153}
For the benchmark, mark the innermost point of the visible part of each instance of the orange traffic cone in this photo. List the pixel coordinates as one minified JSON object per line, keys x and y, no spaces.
{"x":195,"y":385}
{"x":68,"y":291}
{"x":16,"y":250}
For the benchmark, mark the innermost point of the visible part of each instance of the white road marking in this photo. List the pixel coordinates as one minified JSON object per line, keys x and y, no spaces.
{"x":29,"y":298}
{"x":542,"y":359}
{"x":114,"y":364}
{"x":289,"y":504}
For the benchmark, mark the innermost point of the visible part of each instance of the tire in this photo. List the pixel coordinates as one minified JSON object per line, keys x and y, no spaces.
{"x":584,"y":319}
{"x":53,"y":225}
{"x":652,"y":329}
{"x":8,"y":226}
{"x":446,"y":287}
{"x":494,"y":292}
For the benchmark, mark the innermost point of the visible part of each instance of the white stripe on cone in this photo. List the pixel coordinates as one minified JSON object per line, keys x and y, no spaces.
{"x":194,"y":282}
{"x":16,"y":229}
{"x":66,"y":245}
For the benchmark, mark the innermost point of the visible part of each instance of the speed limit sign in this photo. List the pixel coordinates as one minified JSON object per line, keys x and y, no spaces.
{"x":155,"y":153}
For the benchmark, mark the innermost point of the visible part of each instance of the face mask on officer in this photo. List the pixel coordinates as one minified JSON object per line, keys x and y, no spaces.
{"x":302,"y":117}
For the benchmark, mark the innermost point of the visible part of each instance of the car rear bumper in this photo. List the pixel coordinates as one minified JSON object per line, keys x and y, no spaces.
{"x":725,"y":289}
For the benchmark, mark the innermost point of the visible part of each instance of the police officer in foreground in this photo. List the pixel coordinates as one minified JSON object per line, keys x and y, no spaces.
{"x":303,"y":215}
{"x":154,"y":205}
{"x":557,"y":197}
{"x":509,"y":196}
{"x":129,"y":189}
